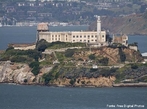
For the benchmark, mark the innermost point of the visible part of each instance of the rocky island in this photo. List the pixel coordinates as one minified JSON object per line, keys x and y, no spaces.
{"x":76,"y":65}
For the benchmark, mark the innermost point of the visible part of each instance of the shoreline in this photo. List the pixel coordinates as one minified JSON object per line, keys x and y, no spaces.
{"x":142,"y":84}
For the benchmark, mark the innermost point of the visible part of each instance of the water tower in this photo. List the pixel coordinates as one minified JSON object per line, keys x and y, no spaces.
{"x":41,"y":27}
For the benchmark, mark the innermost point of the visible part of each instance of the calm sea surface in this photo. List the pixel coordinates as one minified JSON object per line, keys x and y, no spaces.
{"x":41,"y":97}
{"x":28,"y":35}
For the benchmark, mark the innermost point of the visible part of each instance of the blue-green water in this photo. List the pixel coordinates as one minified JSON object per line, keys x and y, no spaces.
{"x":28,"y":35}
{"x":42,"y":97}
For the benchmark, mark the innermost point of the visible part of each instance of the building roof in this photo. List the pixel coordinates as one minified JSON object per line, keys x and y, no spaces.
{"x":42,"y":26}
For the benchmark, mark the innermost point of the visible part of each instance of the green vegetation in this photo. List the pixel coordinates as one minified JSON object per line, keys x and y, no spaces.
{"x":58,"y":45}
{"x":92,"y":56}
{"x":25,"y":56}
{"x":50,"y":76}
{"x":136,"y":72}
{"x":43,"y":44}
{"x":35,"y":67}
{"x":104,"y":61}
{"x":69,"y":52}
{"x":30,"y":57}
{"x":122,"y":55}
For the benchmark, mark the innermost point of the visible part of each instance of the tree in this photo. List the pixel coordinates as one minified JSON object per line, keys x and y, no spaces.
{"x":35,"y":67}
{"x":42,"y":45}
{"x":104,"y":61}
{"x":92,"y":56}
{"x":122,"y":55}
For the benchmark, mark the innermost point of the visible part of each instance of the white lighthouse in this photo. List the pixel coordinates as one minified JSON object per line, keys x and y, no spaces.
{"x":98,"y":29}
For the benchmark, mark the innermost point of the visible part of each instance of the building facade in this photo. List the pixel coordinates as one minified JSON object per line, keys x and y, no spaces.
{"x":97,"y":37}
{"x":123,"y":39}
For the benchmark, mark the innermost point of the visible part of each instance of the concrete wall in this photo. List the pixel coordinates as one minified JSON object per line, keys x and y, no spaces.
{"x":25,"y":47}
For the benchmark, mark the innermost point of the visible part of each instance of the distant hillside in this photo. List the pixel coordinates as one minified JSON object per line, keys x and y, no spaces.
{"x":132,"y":24}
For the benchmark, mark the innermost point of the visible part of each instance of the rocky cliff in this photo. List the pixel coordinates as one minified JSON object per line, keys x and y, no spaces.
{"x":86,"y":82}
{"x":131,"y":24}
{"x":16,"y":73}
{"x":21,"y":74}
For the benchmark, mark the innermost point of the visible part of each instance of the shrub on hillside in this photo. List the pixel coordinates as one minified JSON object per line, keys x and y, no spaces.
{"x":35,"y":67}
{"x":42,"y":45}
{"x":69,"y":52}
{"x":92,"y":56}
{"x":18,"y":59}
{"x":103,"y":61}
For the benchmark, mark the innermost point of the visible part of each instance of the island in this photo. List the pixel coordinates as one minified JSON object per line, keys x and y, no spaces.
{"x":74,"y":59}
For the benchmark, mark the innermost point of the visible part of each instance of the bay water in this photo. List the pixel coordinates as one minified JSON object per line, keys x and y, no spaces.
{"x":42,"y":97}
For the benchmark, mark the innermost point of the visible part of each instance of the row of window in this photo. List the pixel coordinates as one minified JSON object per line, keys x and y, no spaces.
{"x":57,"y":39}
{"x":57,"y":35}
{"x":92,"y":36}
{"x":84,"y":36}
{"x":84,"y":40}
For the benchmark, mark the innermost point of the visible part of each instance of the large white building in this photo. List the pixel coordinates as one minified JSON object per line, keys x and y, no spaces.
{"x":93,"y":37}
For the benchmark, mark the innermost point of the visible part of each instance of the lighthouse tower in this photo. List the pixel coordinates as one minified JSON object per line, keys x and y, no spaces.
{"x":98,"y":29}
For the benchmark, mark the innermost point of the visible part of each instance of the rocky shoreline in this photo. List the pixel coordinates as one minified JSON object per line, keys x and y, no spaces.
{"x":86,"y":86}
{"x":17,"y":73}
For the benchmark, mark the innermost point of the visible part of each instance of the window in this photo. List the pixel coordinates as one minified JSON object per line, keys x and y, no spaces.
{"x":73,"y":36}
{"x":73,"y":40}
{"x":88,"y":36}
{"x":91,"y":40}
{"x":80,"y":40}
{"x":77,"y":36}
{"x":92,"y":36}
{"x":84,"y":36}
{"x":84,"y":40}
{"x":80,"y":36}
{"x":56,"y":35}
{"x":52,"y":35}
{"x":95,"y":40}
{"x":95,"y":35}
{"x":102,"y":35}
